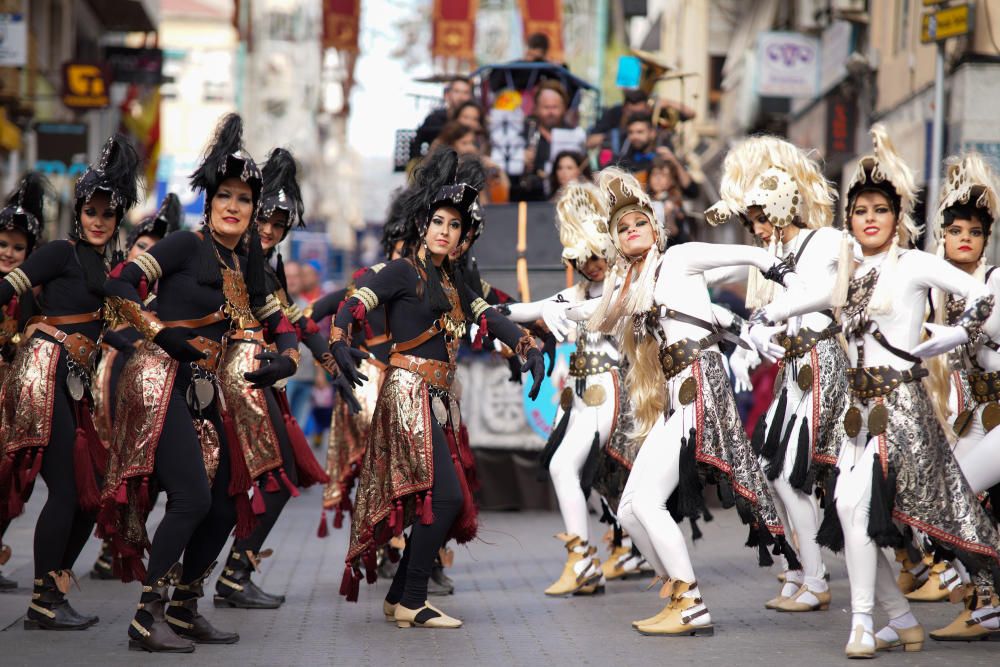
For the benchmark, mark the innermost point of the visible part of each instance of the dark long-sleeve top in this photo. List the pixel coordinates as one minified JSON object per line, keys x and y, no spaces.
{"x":56,"y":269}
{"x":327,"y":306}
{"x":408,"y":314}
{"x":179,"y":295}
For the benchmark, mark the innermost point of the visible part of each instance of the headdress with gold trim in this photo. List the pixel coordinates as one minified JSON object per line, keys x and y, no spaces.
{"x":582,"y":221}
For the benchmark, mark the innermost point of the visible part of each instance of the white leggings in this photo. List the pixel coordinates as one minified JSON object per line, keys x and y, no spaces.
{"x":798,"y":511}
{"x":568,"y":461}
{"x":871,"y":574}
{"x":643,"y":507}
{"x":978,"y":455}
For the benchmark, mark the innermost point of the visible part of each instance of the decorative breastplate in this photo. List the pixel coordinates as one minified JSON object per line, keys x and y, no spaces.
{"x":859,"y":294}
{"x":589,"y":358}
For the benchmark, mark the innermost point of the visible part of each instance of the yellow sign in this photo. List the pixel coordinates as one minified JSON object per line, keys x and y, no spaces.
{"x":84,"y":86}
{"x":944,"y":23}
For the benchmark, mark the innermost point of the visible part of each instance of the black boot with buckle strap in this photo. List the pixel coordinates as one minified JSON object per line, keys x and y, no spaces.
{"x":235,"y":588}
{"x":183,"y":616}
{"x":102,"y":566}
{"x":149,"y":630}
{"x":50,"y":610}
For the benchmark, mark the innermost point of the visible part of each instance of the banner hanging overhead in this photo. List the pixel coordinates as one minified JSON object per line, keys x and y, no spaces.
{"x":545,"y":17}
{"x":455,"y":30}
{"x":341,"y":21}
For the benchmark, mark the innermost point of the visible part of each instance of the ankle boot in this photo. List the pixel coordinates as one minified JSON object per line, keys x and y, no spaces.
{"x":439,"y":583}
{"x":912,"y":575}
{"x":149,"y":630}
{"x":581,"y":569}
{"x":49,"y":609}
{"x":102,"y":566}
{"x":5,"y":583}
{"x":965,"y":628}
{"x":942,"y":581}
{"x":182,"y":614}
{"x":235,"y":588}
{"x":686,"y":615}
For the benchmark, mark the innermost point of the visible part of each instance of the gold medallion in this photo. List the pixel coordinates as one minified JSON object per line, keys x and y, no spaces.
{"x":878,"y":419}
{"x":439,"y":410}
{"x":991,"y":416}
{"x":981,"y":388}
{"x":852,"y":422}
{"x":594,"y":395}
{"x":963,"y":422}
{"x":566,"y":398}
{"x":805,"y":378}
{"x":688,"y":392}
{"x":74,"y":384}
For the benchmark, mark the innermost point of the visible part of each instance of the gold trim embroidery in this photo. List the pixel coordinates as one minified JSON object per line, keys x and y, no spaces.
{"x":19,"y":281}
{"x":149,"y":266}
{"x":479,"y":306}
{"x":368,"y":298}
{"x":293,"y":313}
{"x":270,"y":307}
{"x":144,"y":321}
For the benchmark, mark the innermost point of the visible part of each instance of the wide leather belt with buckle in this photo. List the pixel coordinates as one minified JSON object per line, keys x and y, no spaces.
{"x":248,"y":336}
{"x":438,"y":374}
{"x":805,"y":340}
{"x":872,"y":381}
{"x":677,"y":356}
{"x":207,"y":320}
{"x":985,"y":386}
{"x":582,"y":364}
{"x":80,"y":348}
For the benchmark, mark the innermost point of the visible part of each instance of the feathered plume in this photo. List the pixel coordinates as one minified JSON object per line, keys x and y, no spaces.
{"x":970,"y":181}
{"x":228,"y":140}
{"x":30,"y":198}
{"x":280,"y":177}
{"x":582,"y":221}
{"x":116,"y":172}
{"x":170,"y":214}
{"x":397,"y":227}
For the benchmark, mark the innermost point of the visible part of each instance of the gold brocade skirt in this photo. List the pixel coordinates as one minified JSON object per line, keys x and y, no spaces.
{"x":348,"y":433}
{"x":398,"y":461}
{"x":27,"y":396}
{"x":101,"y":387}
{"x":248,"y":408}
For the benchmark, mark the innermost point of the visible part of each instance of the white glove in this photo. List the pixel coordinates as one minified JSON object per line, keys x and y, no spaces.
{"x":793,"y":282}
{"x":739,"y":363}
{"x":943,"y":339}
{"x":762,"y":337}
{"x":554,"y":316}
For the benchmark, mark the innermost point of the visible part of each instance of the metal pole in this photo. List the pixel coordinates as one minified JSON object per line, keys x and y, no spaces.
{"x":937,"y":147}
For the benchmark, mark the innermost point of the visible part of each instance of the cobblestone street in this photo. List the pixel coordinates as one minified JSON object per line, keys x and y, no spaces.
{"x":499,"y":583}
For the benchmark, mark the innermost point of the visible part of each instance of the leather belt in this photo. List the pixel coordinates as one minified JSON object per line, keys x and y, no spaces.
{"x":677,"y":356}
{"x":436,"y":373}
{"x":248,"y":336}
{"x":378,"y":340}
{"x":985,"y":386}
{"x":805,"y":340}
{"x":212,"y":350}
{"x":872,"y":381}
{"x":63,"y":320}
{"x":582,"y":364}
{"x":80,"y":348}
{"x":211,"y":318}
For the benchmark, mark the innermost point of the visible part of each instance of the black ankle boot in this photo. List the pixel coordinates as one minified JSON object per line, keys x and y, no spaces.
{"x":439,"y":583}
{"x":149,"y":630}
{"x":102,"y":566}
{"x":182,"y":615}
{"x":235,"y":588}
{"x":49,"y":609}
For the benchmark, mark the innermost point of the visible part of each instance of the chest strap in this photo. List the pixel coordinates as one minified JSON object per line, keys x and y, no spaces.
{"x":430,"y":332}
{"x":880,"y":338}
{"x":211,"y":318}
{"x":63,"y":320}
{"x":716,"y":332}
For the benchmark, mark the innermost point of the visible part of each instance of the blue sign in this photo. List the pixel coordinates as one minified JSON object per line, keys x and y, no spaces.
{"x":629,"y":72}
{"x":541,"y":413}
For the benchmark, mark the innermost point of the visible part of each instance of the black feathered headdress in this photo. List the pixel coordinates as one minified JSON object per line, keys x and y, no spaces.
{"x":225,"y":158}
{"x":23,"y":210}
{"x":281,"y":189}
{"x":436,"y":184}
{"x":166,"y":220}
{"x":116,"y":173}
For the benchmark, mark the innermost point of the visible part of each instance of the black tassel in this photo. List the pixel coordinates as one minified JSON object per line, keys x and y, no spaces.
{"x":725,"y":490}
{"x":764,"y":540}
{"x":777,"y":462}
{"x":757,"y":439}
{"x":745,"y":510}
{"x":831,"y":533}
{"x":617,"y":535}
{"x":590,"y":466}
{"x":552,"y":444}
{"x":696,"y":533}
{"x":706,"y":515}
{"x":880,"y":524}
{"x":773,"y":440}
{"x":690,"y":501}
{"x":799,"y":479}
{"x":785,"y":549}
{"x":993,"y":495}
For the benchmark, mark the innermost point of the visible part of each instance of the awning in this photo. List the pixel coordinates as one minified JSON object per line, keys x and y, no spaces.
{"x":125,"y":15}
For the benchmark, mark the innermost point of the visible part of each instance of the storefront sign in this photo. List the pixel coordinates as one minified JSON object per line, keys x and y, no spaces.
{"x":142,"y":66}
{"x":61,"y":148}
{"x":841,"y":127}
{"x":13,"y":40}
{"x":944,"y":23}
{"x":85,"y":86}
{"x":787,"y":65}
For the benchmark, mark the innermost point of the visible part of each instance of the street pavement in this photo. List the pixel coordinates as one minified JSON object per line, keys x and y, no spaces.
{"x":508,"y":621}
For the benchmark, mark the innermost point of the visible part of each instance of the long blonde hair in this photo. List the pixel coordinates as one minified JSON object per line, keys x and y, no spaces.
{"x":645,"y":382}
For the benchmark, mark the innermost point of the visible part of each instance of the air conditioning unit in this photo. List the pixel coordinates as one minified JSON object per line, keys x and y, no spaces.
{"x":634,"y":8}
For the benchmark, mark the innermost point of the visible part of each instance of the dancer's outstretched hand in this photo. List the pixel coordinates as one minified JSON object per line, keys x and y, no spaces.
{"x":342,"y":386}
{"x":554,"y":316}
{"x":536,"y":364}
{"x":347,"y":359}
{"x":762,"y":337}
{"x":549,"y":350}
{"x":275,"y":367}
{"x":739,"y":362}
{"x":943,"y":339}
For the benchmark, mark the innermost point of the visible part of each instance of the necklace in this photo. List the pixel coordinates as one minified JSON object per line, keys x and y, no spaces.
{"x":234,"y":291}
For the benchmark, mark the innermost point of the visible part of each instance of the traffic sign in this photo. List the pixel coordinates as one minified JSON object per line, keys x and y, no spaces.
{"x":944,"y":23}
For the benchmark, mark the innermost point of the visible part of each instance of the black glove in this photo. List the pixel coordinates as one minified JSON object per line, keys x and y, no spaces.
{"x":347,"y":360}
{"x":536,"y":364}
{"x":275,"y":367}
{"x":514,"y":364}
{"x":175,"y":342}
{"x":549,"y":348}
{"x":343,"y":387}
{"x":116,"y":340}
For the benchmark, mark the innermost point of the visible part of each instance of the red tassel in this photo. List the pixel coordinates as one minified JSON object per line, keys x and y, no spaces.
{"x":98,"y":453}
{"x":352,"y":596}
{"x":309,"y":470}
{"x":371,"y":565}
{"x":346,"y":582}
{"x":83,"y":470}
{"x":36,"y":467}
{"x":481,"y":334}
{"x":142,"y":502}
{"x":358,"y":311}
{"x":284,"y":326}
{"x":309,"y":326}
{"x":15,"y":503}
{"x":245,"y":519}
{"x":6,"y":471}
{"x":338,"y":519}
{"x":121,"y":495}
{"x":427,"y":511}
{"x":271,"y":486}
{"x":116,"y":271}
{"x":468,"y":459}
{"x":466,"y":525}
{"x":399,"y":518}
{"x":288,"y":483}
{"x":239,"y":479}
{"x":257,"y":501}
{"x":322,"y":531}
{"x":143,"y":288}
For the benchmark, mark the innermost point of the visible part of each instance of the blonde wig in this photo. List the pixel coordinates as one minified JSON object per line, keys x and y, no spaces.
{"x":582,"y":221}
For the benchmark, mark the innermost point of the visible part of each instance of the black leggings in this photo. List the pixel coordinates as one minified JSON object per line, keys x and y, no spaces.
{"x":63,"y":527}
{"x":409,"y":586}
{"x":199,"y":516}
{"x":273,"y":502}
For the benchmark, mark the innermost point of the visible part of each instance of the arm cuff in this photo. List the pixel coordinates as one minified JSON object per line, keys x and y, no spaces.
{"x":19,"y":281}
{"x":149,"y":266}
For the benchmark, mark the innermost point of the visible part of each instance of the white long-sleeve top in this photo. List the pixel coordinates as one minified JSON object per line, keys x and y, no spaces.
{"x":577,"y":294}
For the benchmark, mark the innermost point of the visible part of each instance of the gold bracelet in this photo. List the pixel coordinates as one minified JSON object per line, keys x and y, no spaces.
{"x":524,"y":345}
{"x":337,"y":334}
{"x":294,"y":355}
